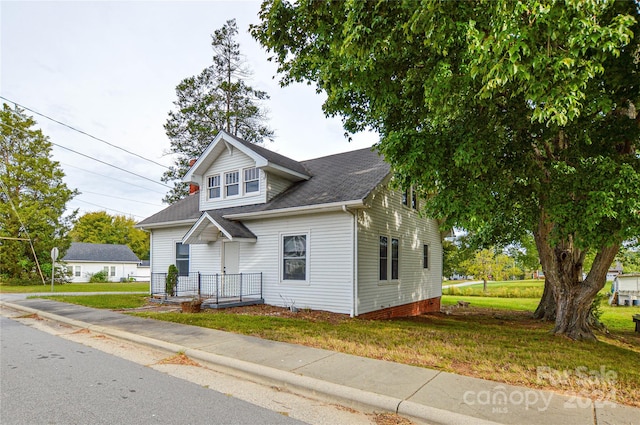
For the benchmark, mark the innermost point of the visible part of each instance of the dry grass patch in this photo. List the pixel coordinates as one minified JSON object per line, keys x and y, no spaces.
{"x":180,"y":359}
{"x":390,"y":419}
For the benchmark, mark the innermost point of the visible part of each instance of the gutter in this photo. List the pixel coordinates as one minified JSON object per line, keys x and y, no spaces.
{"x":187,"y":222}
{"x":306,"y":209}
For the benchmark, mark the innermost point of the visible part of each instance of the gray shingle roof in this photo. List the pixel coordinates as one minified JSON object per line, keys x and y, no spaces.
{"x":235,"y":228}
{"x":185,"y":209}
{"x":349,"y":176}
{"x":274,"y":157}
{"x":94,"y":252}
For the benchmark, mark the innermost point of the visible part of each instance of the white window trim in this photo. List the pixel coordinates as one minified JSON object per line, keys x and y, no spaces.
{"x":245,"y":181}
{"x":212,"y":187}
{"x":239,"y":183}
{"x":175,"y":253}
{"x":389,"y":280}
{"x":281,"y":279}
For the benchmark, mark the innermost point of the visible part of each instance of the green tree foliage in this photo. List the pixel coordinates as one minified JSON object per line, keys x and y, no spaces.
{"x":216,"y":99}
{"x":509,"y":116}
{"x":456,"y":253}
{"x":100,"y":227}
{"x":99,"y":277}
{"x":33,"y":197}
{"x":629,"y":256}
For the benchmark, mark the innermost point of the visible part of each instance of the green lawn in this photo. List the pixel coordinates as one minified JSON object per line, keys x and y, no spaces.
{"x":615,"y":318}
{"x":109,"y":301}
{"x":531,"y":288}
{"x":77,"y":287}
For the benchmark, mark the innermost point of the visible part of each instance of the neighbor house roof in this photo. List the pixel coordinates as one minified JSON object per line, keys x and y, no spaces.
{"x":340,"y":178}
{"x":99,"y":253}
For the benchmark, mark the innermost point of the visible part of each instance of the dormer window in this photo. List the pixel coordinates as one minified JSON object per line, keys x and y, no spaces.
{"x":232,"y":183}
{"x":251,"y":180}
{"x":213,"y":186}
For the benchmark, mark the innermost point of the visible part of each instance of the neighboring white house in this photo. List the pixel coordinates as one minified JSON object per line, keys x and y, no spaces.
{"x":325,"y":234}
{"x":86,"y":259}
{"x":625,"y":289}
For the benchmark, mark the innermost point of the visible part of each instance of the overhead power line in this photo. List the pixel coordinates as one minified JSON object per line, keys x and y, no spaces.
{"x":110,"y":165}
{"x":111,"y":178}
{"x":92,"y":158}
{"x":84,"y":133}
{"x":110,"y":209}
{"x":82,"y":192}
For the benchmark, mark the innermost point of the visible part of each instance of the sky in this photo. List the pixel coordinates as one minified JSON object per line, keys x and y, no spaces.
{"x":109,"y":69}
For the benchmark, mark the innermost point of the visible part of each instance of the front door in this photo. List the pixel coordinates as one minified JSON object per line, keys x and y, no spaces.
{"x":231,"y":259}
{"x":230,"y":269}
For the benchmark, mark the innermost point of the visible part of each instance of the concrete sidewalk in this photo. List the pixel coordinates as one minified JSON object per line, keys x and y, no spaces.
{"x":427,"y":395}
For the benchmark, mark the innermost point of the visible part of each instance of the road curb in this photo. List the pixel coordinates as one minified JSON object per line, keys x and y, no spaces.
{"x":317,"y":388}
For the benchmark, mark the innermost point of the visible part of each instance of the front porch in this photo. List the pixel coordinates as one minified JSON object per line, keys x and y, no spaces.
{"x":215,"y":290}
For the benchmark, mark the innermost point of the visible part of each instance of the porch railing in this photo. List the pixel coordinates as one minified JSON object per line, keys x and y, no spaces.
{"x":213,"y":287}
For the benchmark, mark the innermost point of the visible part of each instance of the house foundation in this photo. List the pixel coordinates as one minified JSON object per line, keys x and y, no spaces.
{"x":406,"y":310}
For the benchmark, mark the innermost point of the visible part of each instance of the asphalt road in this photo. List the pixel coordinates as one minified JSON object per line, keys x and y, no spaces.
{"x":45,"y":379}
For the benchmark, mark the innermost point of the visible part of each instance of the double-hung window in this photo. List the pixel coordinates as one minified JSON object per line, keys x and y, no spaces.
{"x":294,"y":257}
{"x":425,"y":256}
{"x":251,"y":180}
{"x":232,"y":183}
{"x":213,"y":186}
{"x":77,"y":271}
{"x":395,"y":254}
{"x":384,"y":245}
{"x":182,"y":259}
{"x":389,"y":255}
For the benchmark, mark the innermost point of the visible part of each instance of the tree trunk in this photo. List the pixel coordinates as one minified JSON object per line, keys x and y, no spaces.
{"x":572,"y":318}
{"x":547,"y":307}
{"x":562,"y":265}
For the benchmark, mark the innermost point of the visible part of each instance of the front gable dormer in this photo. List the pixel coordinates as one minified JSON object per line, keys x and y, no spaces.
{"x":232,"y":172}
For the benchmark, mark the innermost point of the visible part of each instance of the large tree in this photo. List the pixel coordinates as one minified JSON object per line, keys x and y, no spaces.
{"x":216,"y":99}
{"x":33,"y":197}
{"x":100,"y":227}
{"x":509,"y":116}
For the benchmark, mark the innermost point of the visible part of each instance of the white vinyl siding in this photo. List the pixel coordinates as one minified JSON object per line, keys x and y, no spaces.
{"x":203,"y":258}
{"x":276,"y":185}
{"x":329,"y":280}
{"x":82,"y":270}
{"x":387,"y":216}
{"x":231,"y":161}
{"x":163,"y":251}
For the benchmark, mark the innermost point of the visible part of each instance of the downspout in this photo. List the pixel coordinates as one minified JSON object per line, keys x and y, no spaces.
{"x":150,"y":262}
{"x":354,"y":261}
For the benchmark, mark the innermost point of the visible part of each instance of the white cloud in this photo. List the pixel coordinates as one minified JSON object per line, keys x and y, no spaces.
{"x":110,"y":69}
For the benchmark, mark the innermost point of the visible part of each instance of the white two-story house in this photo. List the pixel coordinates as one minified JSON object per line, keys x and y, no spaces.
{"x":325,"y":234}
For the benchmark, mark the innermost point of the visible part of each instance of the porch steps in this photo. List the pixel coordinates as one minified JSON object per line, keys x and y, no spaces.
{"x":210,"y":303}
{"x":229,"y":304}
